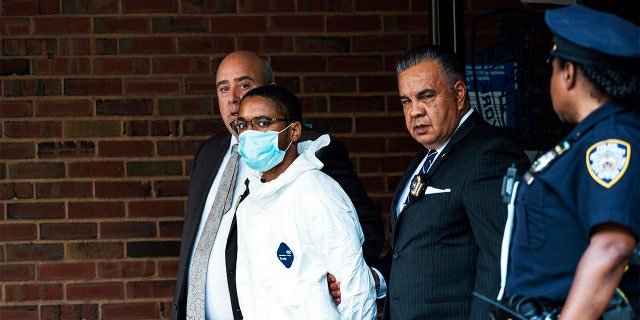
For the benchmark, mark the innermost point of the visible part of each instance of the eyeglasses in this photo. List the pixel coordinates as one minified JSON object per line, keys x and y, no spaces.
{"x":259,"y":123}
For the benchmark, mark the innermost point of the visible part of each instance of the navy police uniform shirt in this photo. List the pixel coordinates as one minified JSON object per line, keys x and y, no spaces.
{"x":596,"y":180}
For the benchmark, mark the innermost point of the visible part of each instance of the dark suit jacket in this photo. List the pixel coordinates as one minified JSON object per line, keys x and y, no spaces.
{"x":206,"y":164}
{"x":446,"y":245}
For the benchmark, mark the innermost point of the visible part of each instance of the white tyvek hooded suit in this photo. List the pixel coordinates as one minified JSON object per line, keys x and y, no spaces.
{"x":291,"y":232}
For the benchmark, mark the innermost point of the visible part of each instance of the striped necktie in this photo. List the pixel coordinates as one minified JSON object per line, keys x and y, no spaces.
{"x":416,"y":182}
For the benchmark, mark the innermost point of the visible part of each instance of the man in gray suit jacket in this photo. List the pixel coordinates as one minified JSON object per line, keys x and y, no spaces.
{"x":447,"y":216}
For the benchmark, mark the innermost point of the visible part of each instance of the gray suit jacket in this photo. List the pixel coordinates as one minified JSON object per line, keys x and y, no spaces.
{"x":446,"y":245}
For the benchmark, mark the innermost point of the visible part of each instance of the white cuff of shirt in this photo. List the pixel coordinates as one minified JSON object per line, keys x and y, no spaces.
{"x":383,"y":284}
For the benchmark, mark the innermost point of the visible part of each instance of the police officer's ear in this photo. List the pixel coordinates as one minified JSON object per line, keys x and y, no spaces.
{"x":568,"y":74}
{"x":295,"y":131}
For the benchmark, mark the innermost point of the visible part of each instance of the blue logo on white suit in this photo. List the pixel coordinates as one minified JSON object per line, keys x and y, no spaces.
{"x":285,"y":255}
{"x":607,"y":161}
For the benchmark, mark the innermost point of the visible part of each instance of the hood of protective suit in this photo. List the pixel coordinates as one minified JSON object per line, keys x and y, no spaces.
{"x":306,"y":161}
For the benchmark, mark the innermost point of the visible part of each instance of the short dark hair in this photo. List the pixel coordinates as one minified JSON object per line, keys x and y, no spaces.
{"x":286,"y":102}
{"x":452,"y":66}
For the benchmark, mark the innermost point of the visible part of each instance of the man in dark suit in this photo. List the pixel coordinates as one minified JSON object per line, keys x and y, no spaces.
{"x":447,"y":216}
{"x":238,"y":73}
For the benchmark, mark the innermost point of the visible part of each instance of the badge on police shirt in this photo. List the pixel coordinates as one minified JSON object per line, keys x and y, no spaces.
{"x":608,"y":160}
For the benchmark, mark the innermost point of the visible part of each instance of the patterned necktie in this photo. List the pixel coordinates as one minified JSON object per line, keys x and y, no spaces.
{"x":416,"y":182}
{"x":200,"y":261}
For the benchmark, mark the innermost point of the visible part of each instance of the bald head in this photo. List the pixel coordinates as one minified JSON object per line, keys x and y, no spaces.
{"x":239,"y":72}
{"x":250,"y":62}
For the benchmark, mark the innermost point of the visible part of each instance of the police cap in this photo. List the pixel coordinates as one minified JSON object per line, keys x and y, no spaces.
{"x":587,"y":36}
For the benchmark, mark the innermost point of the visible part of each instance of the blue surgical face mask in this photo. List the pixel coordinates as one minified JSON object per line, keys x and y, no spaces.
{"x":260,"y":150}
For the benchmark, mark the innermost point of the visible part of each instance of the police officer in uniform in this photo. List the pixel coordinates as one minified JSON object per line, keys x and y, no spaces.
{"x":577,"y":209}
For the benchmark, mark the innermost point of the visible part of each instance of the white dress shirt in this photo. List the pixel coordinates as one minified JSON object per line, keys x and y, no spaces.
{"x":217,"y":299}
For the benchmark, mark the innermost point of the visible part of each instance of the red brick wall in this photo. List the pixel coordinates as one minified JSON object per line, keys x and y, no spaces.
{"x":104,"y":103}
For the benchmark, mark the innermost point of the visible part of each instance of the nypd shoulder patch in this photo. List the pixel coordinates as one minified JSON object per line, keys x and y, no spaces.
{"x":607,"y":161}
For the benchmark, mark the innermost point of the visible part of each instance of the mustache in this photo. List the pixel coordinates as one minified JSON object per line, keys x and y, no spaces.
{"x":420,"y":122}
{"x":234,"y":108}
